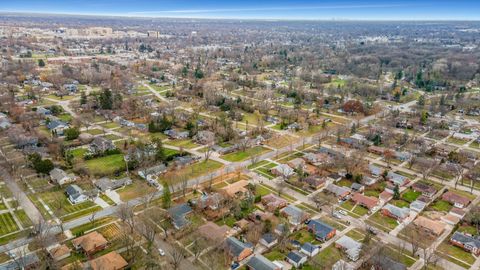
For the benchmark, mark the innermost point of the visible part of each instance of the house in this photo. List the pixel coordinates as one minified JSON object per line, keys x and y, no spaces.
{"x":57,"y":126}
{"x":183,"y":161}
{"x":296,"y":258}
{"x":396,"y":212}
{"x":356,"y":187}
{"x":70,"y":87}
{"x":340,"y":192}
{"x":418,"y":205}
{"x":397,"y":179}
{"x":316,"y":158}
{"x":152,"y":172}
{"x":426,"y":190}
{"x":334,"y":177}
{"x":75,"y":194}
{"x":282,"y":170}
{"x":213,"y":232}
{"x":323,"y":232}
{"x":295,"y":215}
{"x":174,"y":134}
{"x":375,"y":170}
{"x":455,"y":199}
{"x":259,"y":262}
{"x":43,"y":111}
{"x":259,"y":215}
{"x":60,"y":177}
{"x":100,"y":145}
{"x":268,"y":240}
{"x":205,"y":137}
{"x":178,"y":215}
{"x":237,"y":249}
{"x":59,"y":252}
{"x":434,"y":227}
{"x":402,"y":156}
{"x":237,"y":189}
{"x":209,"y":201}
{"x":309,"y":249}
{"x":351,"y":247}
{"x":314,"y":182}
{"x":466,"y":242}
{"x":104,"y":184}
{"x":377,"y":150}
{"x":4,"y":124}
{"x":90,"y":243}
{"x":296,"y":163}
{"x":109,"y":261}
{"x":385,"y":195}
{"x":365,"y":201}
{"x":273,"y":202}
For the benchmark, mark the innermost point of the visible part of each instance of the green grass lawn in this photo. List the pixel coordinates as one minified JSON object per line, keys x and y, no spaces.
{"x":456,"y":252}
{"x":468,"y":229}
{"x":395,"y":254}
{"x":78,"y":153}
{"x":360,"y":210}
{"x":188,"y":144}
{"x":106,"y":165}
{"x":329,"y":256}
{"x":81,"y":213}
{"x":112,"y":137}
{"x":60,"y":205}
{"x":192,"y":171}
{"x":107,"y":199}
{"x":258,"y":164}
{"x":275,"y":254}
{"x":410,"y":195}
{"x":400,"y":203}
{"x":356,"y":235}
{"x":3,"y":206}
{"x":7,"y":224}
{"x":475,"y":145}
{"x":229,"y":221}
{"x":65,"y":117}
{"x":457,"y":141}
{"x":440,"y":206}
{"x":110,"y":125}
{"x":23,"y":218}
{"x":383,"y":222}
{"x":348,"y":205}
{"x":94,"y":131}
{"x":91,"y":226}
{"x":303,"y":236}
{"x":243,"y":155}
{"x":265,"y":172}
{"x":261,"y":190}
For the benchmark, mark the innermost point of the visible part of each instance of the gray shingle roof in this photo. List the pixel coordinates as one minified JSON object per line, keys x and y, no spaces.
{"x":259,"y":262}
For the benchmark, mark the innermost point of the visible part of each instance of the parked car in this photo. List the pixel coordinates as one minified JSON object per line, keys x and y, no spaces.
{"x":234,"y":265}
{"x":342,"y":212}
{"x":161,"y":252}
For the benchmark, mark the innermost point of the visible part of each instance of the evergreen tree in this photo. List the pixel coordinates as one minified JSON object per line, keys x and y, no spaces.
{"x":396,"y":192}
{"x":167,"y":196}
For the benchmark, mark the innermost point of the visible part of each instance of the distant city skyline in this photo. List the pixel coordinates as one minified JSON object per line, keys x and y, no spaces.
{"x":249,"y":9}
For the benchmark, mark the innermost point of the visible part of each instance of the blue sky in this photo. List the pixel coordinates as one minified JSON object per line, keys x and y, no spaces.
{"x":258,"y":9}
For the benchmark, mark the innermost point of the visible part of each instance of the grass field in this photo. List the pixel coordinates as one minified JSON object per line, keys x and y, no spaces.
{"x":329,"y":256}
{"x":192,"y":171}
{"x":382,"y":222}
{"x":243,"y":155}
{"x":7,"y":224}
{"x":136,"y":189}
{"x":90,"y":226}
{"x":106,"y":165}
{"x":23,"y":218}
{"x":440,"y":206}
{"x":188,"y":144}
{"x":94,"y":131}
{"x":410,"y":195}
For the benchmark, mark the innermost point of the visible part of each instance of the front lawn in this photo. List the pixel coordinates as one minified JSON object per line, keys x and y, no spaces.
{"x":400,"y":203}
{"x":274,"y":255}
{"x":106,"y":165}
{"x":187,"y":144}
{"x":243,"y":155}
{"x":191,"y":171}
{"x":441,"y":206}
{"x":410,"y":195}
{"x":7,"y":224}
{"x":329,"y":256}
{"x":303,"y":236}
{"x":360,"y":210}
{"x":450,"y":250}
{"x":383,"y":222}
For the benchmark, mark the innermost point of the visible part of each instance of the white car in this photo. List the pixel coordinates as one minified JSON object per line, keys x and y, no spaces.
{"x":162,"y":253}
{"x":337,"y":215}
{"x":342,"y":212}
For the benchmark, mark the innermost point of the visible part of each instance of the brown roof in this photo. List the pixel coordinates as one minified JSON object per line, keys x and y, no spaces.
{"x":386,"y":196}
{"x":366,"y":201}
{"x":109,"y":261}
{"x":236,"y":187}
{"x":435,"y":227}
{"x":212,"y":231}
{"x":424,"y":188}
{"x":59,"y":251}
{"x":455,"y":198}
{"x":90,"y":241}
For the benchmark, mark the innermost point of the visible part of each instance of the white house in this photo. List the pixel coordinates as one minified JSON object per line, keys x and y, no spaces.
{"x":60,"y":177}
{"x":75,"y":194}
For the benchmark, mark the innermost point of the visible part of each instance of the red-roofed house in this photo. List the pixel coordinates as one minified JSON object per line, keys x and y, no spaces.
{"x":455,"y":199}
{"x":365,"y":201}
